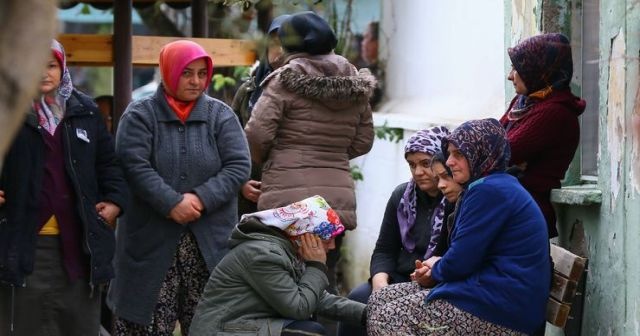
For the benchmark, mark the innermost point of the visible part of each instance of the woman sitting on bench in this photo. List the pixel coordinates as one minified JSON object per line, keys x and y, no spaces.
{"x":494,"y":278}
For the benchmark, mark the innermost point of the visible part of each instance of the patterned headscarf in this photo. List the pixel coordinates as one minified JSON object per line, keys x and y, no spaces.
{"x":51,"y":110}
{"x":429,"y":142}
{"x":311,"y":215}
{"x":544,"y":63}
{"x":484,"y":144}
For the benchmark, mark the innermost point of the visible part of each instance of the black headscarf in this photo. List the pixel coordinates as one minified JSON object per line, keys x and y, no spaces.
{"x":307,"y":32}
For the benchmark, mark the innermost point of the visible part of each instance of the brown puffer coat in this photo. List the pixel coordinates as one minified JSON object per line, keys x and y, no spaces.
{"x":312,"y":118}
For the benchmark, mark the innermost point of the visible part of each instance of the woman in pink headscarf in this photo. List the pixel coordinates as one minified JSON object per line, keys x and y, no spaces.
{"x":185,"y":157}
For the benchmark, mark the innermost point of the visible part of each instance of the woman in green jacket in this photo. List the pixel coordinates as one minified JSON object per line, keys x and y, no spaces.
{"x":273,"y":280}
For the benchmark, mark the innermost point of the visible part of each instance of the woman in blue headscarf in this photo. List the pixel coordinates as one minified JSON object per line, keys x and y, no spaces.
{"x":494,"y":278}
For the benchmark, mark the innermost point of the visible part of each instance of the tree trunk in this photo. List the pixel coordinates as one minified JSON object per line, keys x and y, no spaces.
{"x":26,"y":30}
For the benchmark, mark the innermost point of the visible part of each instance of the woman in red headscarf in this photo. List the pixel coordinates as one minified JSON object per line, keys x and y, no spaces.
{"x":185,"y":157}
{"x":63,"y":189}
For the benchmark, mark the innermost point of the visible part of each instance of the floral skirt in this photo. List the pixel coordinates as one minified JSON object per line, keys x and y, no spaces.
{"x":400,"y":309}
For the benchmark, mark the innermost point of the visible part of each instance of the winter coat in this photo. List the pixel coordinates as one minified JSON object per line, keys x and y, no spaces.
{"x":389,"y":256}
{"x":94,"y":173}
{"x":312,"y":118}
{"x":497,"y":266}
{"x":546,"y":138}
{"x":261,"y":282}
{"x":162,"y":159}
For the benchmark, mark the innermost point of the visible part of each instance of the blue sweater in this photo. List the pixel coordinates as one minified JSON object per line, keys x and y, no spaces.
{"x":497,"y":267}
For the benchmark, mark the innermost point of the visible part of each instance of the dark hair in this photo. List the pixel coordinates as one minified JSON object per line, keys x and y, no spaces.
{"x":440,"y":157}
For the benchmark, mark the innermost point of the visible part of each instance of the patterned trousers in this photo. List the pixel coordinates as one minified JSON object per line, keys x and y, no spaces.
{"x":179,"y":294}
{"x":400,"y":309}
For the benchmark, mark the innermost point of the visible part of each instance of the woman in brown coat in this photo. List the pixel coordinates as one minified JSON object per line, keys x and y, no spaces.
{"x":312,"y":118}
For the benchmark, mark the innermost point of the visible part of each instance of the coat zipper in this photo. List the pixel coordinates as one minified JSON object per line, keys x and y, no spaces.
{"x":82,"y":210}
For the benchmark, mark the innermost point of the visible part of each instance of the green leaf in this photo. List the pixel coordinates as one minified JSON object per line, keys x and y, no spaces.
{"x":85,"y":10}
{"x":229,"y":81}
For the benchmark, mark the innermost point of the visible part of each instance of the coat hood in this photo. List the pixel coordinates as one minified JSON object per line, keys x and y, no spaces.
{"x":330,"y":79}
{"x":250,"y":228}
{"x":566,"y":98}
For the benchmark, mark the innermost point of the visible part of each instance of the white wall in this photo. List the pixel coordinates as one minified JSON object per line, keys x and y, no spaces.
{"x":444,"y":65}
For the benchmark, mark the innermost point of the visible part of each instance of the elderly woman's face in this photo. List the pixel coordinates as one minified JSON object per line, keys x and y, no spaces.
{"x":449,"y":188}
{"x":192,"y":81}
{"x":518,"y":83}
{"x":420,"y":166}
{"x":51,"y":77}
{"x":458,"y":164}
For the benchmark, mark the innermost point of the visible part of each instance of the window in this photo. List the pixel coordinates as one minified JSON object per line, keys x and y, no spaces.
{"x":589,"y":63}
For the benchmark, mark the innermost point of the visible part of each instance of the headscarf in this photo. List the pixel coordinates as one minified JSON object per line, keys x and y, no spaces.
{"x":484,"y":144}
{"x":51,"y":110}
{"x":307,"y":32}
{"x":311,"y":215}
{"x":264,"y":68}
{"x":545,"y":65}
{"x":429,"y":142}
{"x":174,"y":57}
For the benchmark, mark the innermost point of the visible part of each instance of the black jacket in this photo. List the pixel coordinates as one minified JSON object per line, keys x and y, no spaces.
{"x":94,"y":173}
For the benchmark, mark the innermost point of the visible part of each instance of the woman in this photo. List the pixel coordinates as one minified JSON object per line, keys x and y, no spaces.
{"x":542,"y":120}
{"x":494,"y":278}
{"x":312,"y":118}
{"x":243,"y":103}
{"x":411,"y":224}
{"x":185,"y":157}
{"x":451,"y":191}
{"x":274,"y":278}
{"x":62,"y":190}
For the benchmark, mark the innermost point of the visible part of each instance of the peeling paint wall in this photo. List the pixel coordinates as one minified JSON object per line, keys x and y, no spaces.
{"x":615,"y":114}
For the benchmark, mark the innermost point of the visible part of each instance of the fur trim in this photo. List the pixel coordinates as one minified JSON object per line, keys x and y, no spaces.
{"x":349,"y":88}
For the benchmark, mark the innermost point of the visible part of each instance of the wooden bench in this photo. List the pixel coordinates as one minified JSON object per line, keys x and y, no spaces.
{"x":567,"y":272}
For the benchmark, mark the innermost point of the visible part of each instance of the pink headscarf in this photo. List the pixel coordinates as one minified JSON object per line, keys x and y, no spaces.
{"x":175,"y":56}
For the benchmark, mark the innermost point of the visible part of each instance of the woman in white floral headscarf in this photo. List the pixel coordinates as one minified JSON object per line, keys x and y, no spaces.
{"x":274,"y":277}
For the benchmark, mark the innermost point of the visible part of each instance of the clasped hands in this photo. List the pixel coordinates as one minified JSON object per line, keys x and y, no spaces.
{"x":188,"y":210}
{"x":422,"y":273}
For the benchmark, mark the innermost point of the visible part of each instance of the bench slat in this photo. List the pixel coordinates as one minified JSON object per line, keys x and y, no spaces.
{"x":557,"y":313}
{"x":563,"y":289}
{"x":567,"y":263}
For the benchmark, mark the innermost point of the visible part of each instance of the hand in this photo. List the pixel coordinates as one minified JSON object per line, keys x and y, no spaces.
{"x":1,"y":197}
{"x":311,"y":248}
{"x":522,"y":166}
{"x":187,"y":210}
{"x":422,"y":274}
{"x":108,"y":211}
{"x":251,"y":190}
{"x":195,"y":201}
{"x":431,"y":262}
{"x":379,"y":281}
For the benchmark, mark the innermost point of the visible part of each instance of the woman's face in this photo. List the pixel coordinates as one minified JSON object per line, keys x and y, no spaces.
{"x":51,"y":77}
{"x":420,"y":166}
{"x":329,"y":245}
{"x":449,"y":188}
{"x":518,"y":83}
{"x":458,"y":164}
{"x":274,"y":50}
{"x":192,"y":81}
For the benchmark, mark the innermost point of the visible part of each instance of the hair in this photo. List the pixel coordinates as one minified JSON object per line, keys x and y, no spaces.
{"x":439,"y":157}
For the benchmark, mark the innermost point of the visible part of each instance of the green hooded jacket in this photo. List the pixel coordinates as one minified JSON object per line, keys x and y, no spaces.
{"x":261,"y":283}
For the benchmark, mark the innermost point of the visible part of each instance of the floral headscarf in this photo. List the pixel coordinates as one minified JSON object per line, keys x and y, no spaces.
{"x":484,"y":144}
{"x":311,"y":215}
{"x":429,"y":142}
{"x":50,"y":110}
{"x":544,"y":63}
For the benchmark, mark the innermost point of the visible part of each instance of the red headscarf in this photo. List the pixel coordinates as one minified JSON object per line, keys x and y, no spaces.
{"x":174,"y":57}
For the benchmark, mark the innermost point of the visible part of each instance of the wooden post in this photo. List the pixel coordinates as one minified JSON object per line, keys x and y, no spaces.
{"x":199,"y":16}
{"x":123,"y":68}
